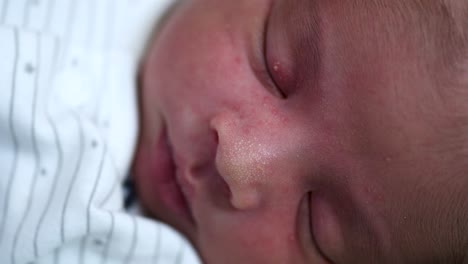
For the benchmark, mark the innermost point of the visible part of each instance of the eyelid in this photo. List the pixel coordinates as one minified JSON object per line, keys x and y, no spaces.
{"x":305,"y":232}
{"x":257,"y":56}
{"x":265,"y":55}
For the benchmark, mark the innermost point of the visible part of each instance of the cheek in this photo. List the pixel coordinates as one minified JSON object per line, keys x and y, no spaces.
{"x":201,"y":80}
{"x":249,"y":238}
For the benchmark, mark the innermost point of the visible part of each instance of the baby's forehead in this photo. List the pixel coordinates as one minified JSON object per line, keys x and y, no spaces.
{"x":439,"y":21}
{"x":438,"y":27}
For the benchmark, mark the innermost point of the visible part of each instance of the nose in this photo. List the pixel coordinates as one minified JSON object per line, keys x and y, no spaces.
{"x":249,"y":151}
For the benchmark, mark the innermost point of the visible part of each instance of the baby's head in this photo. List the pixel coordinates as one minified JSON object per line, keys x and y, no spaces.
{"x":310,"y":131}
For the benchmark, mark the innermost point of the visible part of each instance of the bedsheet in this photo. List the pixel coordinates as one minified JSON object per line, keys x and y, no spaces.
{"x":68,"y":128}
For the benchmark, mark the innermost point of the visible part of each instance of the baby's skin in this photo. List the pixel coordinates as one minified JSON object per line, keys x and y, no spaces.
{"x":309,"y":131}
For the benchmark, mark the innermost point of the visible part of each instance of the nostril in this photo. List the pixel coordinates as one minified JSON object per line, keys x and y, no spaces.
{"x":244,"y":200}
{"x":239,"y":162}
{"x":241,"y":179}
{"x":215,"y":137}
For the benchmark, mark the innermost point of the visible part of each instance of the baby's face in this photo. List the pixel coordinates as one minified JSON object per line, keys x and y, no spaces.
{"x":298,"y":132}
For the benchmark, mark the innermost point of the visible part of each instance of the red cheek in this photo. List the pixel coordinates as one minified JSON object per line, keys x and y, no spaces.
{"x":237,"y":61}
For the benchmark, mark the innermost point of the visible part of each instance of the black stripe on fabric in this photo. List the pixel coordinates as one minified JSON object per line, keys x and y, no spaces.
{"x":75,"y":175}
{"x":180,"y":254}
{"x":26,"y":7}
{"x":27,"y":11}
{"x":110,"y":236}
{"x":131,"y":252}
{"x":109,"y":194}
{"x":56,"y":256}
{"x":91,"y":198}
{"x":157,"y":247}
{"x":6,"y":5}
{"x":81,"y":254}
{"x":110,"y":17}
{"x":115,"y":184}
{"x":37,"y":156}
{"x":59,"y":165}
{"x":91,"y":22}
{"x":70,"y":18}
{"x":49,"y":15}
{"x":69,"y":27}
{"x":93,"y":193}
{"x":6,"y":204}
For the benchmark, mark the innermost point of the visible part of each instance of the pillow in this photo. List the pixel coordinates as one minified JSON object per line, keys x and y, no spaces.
{"x":68,"y":128}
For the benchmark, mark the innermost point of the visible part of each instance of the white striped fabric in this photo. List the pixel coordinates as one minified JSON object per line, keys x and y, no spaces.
{"x":68,"y":127}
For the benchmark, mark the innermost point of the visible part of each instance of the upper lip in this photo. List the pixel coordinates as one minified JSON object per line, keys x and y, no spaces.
{"x":184,"y":188}
{"x":177,"y":178}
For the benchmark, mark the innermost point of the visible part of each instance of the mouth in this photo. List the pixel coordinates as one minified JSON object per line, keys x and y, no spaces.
{"x":169,"y":186}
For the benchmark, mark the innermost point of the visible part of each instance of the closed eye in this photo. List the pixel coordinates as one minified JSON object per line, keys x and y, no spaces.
{"x":267,"y":71}
{"x":306,"y":236}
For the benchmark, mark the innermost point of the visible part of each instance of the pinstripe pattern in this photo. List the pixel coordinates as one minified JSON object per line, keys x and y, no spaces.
{"x":75,"y":175}
{"x":91,"y":197}
{"x":59,"y":163}
{"x":108,"y":29}
{"x":4,"y":10}
{"x":6,"y":205}
{"x":68,"y":203}
{"x":48,"y":16}
{"x":27,"y":8}
{"x":110,"y":193}
{"x":56,"y":256}
{"x":68,"y":31}
{"x":92,"y":13}
{"x":180,"y":254}
{"x":37,"y":157}
{"x":81,"y":254}
{"x":71,"y":17}
{"x":131,"y":251}
{"x":110,"y":236}
{"x":157,"y":248}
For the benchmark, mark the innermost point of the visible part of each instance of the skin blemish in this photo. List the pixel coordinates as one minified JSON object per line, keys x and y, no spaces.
{"x":276,"y":66}
{"x":373,"y":195}
{"x":279,"y":70}
{"x":237,"y":61}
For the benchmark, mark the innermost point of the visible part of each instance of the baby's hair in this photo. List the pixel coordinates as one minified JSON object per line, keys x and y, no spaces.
{"x":437,"y":28}
{"x":445,"y":23}
{"x":449,"y":21}
{"x":440,"y":27}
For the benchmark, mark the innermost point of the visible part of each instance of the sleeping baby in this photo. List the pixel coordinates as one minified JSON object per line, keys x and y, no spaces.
{"x":309,"y":131}
{"x":270,"y":131}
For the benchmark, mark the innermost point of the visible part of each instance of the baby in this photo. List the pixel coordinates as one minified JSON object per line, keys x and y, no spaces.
{"x":309,"y":131}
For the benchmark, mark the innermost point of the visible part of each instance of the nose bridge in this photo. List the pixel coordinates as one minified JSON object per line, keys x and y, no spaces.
{"x":247,"y":150}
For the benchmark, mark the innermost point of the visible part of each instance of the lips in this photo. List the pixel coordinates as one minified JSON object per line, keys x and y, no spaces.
{"x":167,"y":183}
